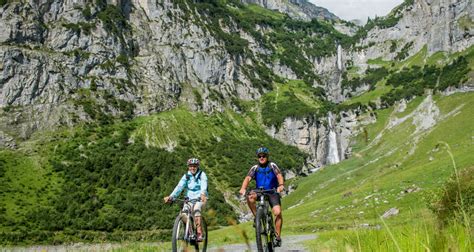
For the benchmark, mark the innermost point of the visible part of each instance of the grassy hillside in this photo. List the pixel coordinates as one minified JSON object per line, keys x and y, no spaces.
{"x":398,"y":162}
{"x":106,"y":182}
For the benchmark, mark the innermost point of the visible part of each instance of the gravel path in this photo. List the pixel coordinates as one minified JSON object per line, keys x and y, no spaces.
{"x":78,"y":247}
{"x":289,"y":243}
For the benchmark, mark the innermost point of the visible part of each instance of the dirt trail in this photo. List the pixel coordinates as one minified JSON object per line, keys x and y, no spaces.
{"x":289,"y":243}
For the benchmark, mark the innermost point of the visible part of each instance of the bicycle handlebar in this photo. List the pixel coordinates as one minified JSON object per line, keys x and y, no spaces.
{"x":185,"y":200}
{"x":259,"y":190}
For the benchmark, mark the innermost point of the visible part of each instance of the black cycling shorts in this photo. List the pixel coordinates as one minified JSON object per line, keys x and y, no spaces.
{"x":274,"y":199}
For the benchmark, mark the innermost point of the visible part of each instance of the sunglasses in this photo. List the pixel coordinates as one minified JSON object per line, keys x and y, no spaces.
{"x":262,"y":156}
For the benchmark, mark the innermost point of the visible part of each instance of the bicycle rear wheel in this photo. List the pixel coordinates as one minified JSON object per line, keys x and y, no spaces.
{"x":261,"y":231}
{"x":179,"y":241}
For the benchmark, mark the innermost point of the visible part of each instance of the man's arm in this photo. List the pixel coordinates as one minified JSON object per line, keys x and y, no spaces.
{"x":245,"y":183}
{"x":281,"y":182}
{"x":280,"y":179}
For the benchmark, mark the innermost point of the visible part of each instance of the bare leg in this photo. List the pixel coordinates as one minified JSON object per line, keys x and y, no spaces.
{"x":251,"y":203}
{"x":198,"y":224}
{"x":278,"y":219}
{"x":198,"y":207}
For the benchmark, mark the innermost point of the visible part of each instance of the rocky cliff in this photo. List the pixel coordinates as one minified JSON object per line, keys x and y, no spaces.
{"x":66,"y":61}
{"x":440,"y":25}
{"x":300,"y":9}
{"x":141,"y":56}
{"x":437,"y":25}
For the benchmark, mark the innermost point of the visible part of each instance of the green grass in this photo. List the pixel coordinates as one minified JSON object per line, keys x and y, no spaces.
{"x":353,"y":72}
{"x":466,"y":22}
{"x":421,"y":59}
{"x":374,"y":177}
{"x":292,"y":99}
{"x":356,"y":192}
{"x":165,"y":129}
{"x":365,"y":98}
{"x":437,"y":59}
{"x":421,"y":235}
{"x":417,"y":59}
{"x":259,"y":10}
{"x":379,"y":62}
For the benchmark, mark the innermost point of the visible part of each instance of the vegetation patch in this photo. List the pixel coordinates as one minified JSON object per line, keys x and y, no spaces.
{"x":455,"y":201}
{"x":294,"y":99}
{"x":112,"y":177}
{"x":372,"y":76}
{"x":404,"y":51}
{"x":410,"y":82}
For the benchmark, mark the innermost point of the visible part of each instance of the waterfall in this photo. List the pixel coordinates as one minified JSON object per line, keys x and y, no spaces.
{"x":339,"y":57}
{"x":333,"y":152}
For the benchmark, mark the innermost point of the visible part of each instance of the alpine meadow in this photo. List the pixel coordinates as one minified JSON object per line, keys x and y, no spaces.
{"x":102,"y":102}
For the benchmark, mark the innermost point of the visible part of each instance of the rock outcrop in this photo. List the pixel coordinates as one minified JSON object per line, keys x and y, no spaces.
{"x":301,"y":9}
{"x":440,"y":25}
{"x":313,"y":136}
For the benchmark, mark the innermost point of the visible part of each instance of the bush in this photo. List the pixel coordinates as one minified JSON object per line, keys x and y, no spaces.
{"x":456,"y":200}
{"x":288,"y":105}
{"x":404,"y":52}
{"x":372,"y":76}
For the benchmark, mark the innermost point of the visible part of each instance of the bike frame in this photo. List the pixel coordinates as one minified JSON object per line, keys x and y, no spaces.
{"x":184,"y":230}
{"x":189,"y":234}
{"x":269,"y":228}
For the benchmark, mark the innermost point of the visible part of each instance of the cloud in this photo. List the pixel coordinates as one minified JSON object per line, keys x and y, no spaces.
{"x":358,"y":9}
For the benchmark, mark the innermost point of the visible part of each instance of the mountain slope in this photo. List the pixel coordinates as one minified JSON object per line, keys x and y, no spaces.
{"x":404,"y":149}
{"x":399,"y":162}
{"x":102,"y":103}
{"x":90,"y":180}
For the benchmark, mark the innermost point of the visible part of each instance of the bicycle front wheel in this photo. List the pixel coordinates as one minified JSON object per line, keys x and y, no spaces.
{"x":179,"y":240}
{"x":261,"y":231}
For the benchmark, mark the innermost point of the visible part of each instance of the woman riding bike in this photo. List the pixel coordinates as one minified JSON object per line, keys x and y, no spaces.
{"x":195,"y":182}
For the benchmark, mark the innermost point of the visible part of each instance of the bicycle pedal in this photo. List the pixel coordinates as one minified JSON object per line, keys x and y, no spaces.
{"x":276,"y":243}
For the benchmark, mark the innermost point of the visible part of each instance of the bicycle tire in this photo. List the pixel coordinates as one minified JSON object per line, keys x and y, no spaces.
{"x":271,"y":229}
{"x":178,"y":242}
{"x":260,"y":230}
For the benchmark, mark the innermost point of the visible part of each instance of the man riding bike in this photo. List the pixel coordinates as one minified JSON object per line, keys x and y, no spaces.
{"x":266,"y":175}
{"x":195,"y":182}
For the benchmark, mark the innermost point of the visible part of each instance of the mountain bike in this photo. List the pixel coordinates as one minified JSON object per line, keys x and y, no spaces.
{"x":185,"y":231}
{"x":264,"y":225}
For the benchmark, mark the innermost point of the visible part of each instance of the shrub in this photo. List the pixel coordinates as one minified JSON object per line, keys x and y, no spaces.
{"x":404,"y":52}
{"x":456,"y":200}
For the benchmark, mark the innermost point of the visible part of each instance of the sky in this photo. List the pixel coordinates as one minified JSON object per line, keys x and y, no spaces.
{"x":358,"y":9}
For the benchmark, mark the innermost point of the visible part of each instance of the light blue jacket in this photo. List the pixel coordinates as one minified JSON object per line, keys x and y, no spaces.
{"x":195,"y":187}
